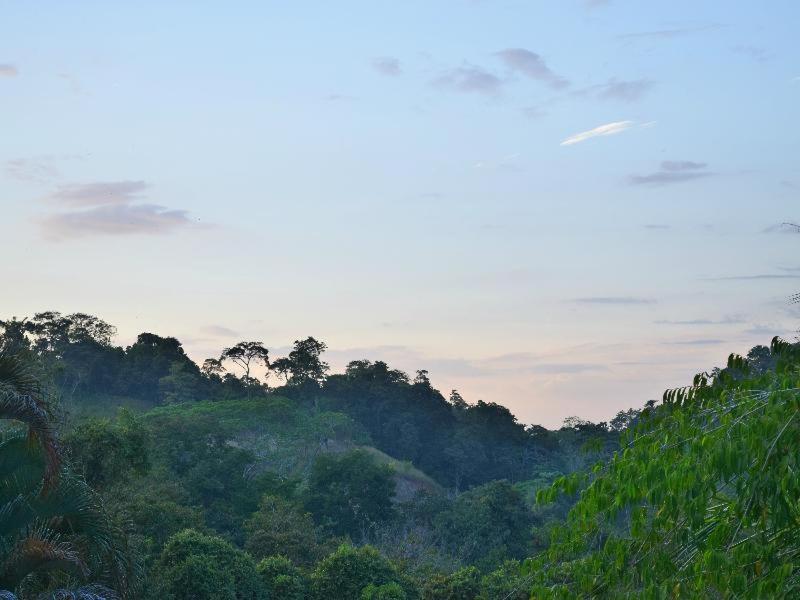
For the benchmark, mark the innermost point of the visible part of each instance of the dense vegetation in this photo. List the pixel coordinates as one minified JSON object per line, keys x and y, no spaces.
{"x":135,"y":473}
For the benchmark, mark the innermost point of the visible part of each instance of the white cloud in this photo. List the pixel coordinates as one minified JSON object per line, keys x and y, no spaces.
{"x":607,"y":129}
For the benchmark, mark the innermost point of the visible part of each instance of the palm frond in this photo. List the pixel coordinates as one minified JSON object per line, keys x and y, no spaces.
{"x":39,"y":550}
{"x":20,"y":400}
{"x":51,"y":522}
{"x":88,"y":592}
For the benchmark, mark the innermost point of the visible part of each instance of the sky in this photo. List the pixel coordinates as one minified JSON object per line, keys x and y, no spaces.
{"x":562,"y":206}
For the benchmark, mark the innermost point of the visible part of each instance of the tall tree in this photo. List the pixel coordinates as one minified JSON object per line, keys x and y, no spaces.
{"x":212,"y":367}
{"x":304,"y":363}
{"x":246,"y":355}
{"x":152,"y":358}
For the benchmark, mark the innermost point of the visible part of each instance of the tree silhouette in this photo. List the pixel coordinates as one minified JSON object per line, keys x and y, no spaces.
{"x":246,"y":355}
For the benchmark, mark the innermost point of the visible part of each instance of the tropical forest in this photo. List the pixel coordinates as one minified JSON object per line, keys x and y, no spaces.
{"x":399,"y":300}
{"x":133,"y":472}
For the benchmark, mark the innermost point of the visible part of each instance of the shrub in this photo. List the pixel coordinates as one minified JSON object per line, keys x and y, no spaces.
{"x":345,"y":573}
{"x":190,"y":552}
{"x":282,"y":579}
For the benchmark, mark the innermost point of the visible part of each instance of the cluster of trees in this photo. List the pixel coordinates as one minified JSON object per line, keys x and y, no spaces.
{"x":296,"y":543}
{"x":195,"y":566}
{"x":162,"y":473}
{"x":458,"y":444}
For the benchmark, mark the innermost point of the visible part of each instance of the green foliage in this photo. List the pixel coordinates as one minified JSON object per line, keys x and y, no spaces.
{"x":508,"y":582}
{"x":105,"y":451}
{"x":387,"y":591}
{"x":218,"y":566}
{"x":304,"y":363}
{"x":53,"y":528}
{"x":279,"y":527}
{"x":63,"y":532}
{"x":487,"y":525}
{"x":464,"y":584}
{"x":148,"y":362}
{"x":197,"y":446}
{"x":182,"y":384}
{"x":350,"y":493}
{"x":199,"y":577}
{"x":702,"y":500}
{"x":282,"y":579}
{"x":156,"y":509}
{"x":345,"y":573}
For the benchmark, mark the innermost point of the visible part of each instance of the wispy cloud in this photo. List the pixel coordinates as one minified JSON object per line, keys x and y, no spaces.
{"x":506,"y":163}
{"x":387,"y":65}
{"x":565,"y":368}
{"x":98,"y":193}
{"x":682,"y":165}
{"x":339,"y":98}
{"x":672,"y":171}
{"x":37,"y":170}
{"x":625,"y":300}
{"x":700,"y":342}
{"x":469,"y":79}
{"x":757,"y":53}
{"x":108,"y":208}
{"x":73,"y":83}
{"x":531,"y":65}
{"x":668,"y":33}
{"x":783,"y":228}
{"x":757,"y":277}
{"x":220,"y":331}
{"x":627,"y":91}
{"x":602,"y":130}
{"x":765,"y":330}
{"x":660,"y":226}
{"x":114,"y":220}
{"x":534,"y":112}
{"x":7,"y":70}
{"x":615,"y":89}
{"x":729,"y":320}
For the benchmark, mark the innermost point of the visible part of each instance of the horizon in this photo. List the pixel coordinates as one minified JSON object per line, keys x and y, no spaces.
{"x":564,"y":208}
{"x":395,"y":358}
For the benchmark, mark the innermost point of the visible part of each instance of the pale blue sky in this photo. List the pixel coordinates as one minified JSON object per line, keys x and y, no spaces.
{"x":392,"y":178}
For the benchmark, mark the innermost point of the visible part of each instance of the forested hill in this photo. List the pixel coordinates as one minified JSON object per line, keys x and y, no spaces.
{"x":458,"y":444}
{"x":133,"y":473}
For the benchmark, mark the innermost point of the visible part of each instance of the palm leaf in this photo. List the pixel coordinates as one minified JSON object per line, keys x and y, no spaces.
{"x":20,"y":400}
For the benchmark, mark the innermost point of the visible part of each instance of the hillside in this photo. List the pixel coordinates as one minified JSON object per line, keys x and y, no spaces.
{"x":371,"y":484}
